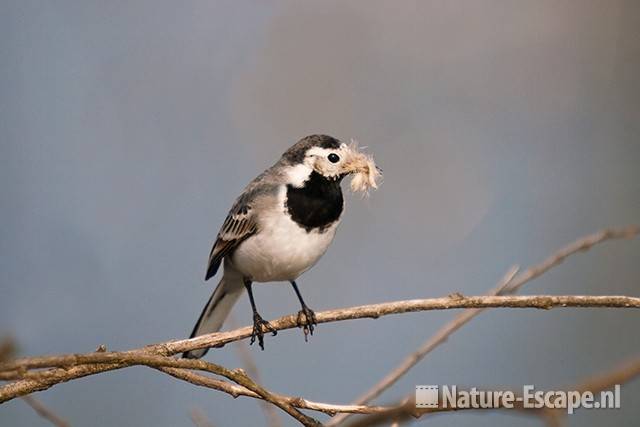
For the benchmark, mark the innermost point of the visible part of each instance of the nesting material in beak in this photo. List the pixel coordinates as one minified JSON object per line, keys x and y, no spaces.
{"x":364,"y":170}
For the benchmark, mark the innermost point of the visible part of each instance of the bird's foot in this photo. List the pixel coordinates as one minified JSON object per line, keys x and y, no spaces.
{"x":306,"y":320}
{"x":260,"y":326}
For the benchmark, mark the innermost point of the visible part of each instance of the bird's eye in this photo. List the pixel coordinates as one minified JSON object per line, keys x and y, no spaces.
{"x":333,"y":158}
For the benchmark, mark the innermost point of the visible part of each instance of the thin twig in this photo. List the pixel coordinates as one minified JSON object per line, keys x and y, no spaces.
{"x":410,"y":361}
{"x":406,"y":409}
{"x":236,"y":391}
{"x":93,"y":363}
{"x":199,"y":418}
{"x":509,"y":284}
{"x":273,"y":419}
{"x":605,"y":380}
{"x":45,"y":412}
{"x":580,"y":245}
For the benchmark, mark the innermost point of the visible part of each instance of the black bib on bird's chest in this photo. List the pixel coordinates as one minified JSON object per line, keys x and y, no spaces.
{"x":317,"y":204}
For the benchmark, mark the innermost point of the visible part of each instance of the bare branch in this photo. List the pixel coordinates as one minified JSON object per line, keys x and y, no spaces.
{"x":509,"y":284}
{"x":433,"y":342}
{"x":72,"y":366}
{"x":40,"y":373}
{"x":273,"y":419}
{"x":580,"y":245}
{"x":298,"y":402}
{"x":93,"y":363}
{"x":374,"y":311}
{"x":406,"y":409}
{"x":206,"y":381}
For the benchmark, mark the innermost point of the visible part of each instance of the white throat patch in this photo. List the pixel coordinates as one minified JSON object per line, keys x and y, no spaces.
{"x":298,"y":174}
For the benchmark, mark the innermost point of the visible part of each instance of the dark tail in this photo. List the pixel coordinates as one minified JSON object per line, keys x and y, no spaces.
{"x":216,"y":311}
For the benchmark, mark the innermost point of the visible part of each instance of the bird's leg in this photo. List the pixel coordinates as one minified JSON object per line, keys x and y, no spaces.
{"x":306,"y":316}
{"x":258,"y":322}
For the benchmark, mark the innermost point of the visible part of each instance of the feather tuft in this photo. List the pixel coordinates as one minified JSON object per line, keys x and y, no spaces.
{"x":367,"y":173}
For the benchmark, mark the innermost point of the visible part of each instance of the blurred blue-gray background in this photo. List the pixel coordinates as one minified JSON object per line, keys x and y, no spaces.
{"x":505,"y":130}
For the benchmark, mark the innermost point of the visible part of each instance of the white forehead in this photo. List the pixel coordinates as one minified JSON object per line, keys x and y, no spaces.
{"x":323,"y":152}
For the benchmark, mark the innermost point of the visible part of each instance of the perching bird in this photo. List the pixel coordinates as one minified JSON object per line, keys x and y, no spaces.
{"x":280,"y":226}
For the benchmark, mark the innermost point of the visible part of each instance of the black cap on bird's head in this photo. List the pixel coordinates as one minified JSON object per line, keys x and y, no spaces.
{"x":297,"y":152}
{"x":334,"y":159}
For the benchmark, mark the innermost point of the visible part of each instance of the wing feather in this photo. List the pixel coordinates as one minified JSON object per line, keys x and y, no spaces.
{"x":239,"y":225}
{"x":241,"y":222}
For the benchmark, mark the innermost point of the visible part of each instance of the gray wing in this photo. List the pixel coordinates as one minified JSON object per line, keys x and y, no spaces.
{"x":240,"y":223}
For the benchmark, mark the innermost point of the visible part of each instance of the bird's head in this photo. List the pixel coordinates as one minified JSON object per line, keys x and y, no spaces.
{"x":333,"y":160}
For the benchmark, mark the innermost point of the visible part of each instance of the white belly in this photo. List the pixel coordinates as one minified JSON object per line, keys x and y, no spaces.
{"x":281,"y":250}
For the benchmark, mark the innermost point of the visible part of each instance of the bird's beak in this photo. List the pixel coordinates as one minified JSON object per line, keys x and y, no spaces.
{"x":364,"y":170}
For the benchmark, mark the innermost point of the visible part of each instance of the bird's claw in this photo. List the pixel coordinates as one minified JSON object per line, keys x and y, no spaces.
{"x":306,"y":320}
{"x":260,"y":326}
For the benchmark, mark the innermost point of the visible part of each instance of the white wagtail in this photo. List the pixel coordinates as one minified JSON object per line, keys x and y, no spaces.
{"x":280,"y":226}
